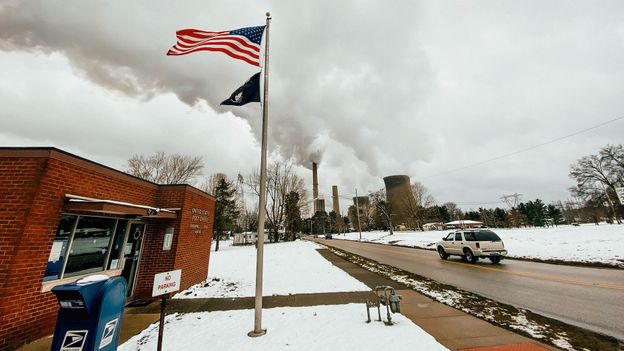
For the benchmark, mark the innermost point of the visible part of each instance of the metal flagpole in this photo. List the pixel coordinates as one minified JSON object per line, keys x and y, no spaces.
{"x":258,"y":331}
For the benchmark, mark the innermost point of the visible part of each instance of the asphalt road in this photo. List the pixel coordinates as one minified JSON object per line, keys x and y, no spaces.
{"x":591,"y":298}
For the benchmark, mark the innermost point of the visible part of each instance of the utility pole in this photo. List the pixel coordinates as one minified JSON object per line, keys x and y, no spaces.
{"x":357,"y":209}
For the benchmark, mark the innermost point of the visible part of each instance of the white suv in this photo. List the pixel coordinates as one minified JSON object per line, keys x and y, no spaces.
{"x":471,"y":244}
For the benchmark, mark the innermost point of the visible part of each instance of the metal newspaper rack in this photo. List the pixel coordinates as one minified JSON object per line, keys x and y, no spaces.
{"x":386,"y":295}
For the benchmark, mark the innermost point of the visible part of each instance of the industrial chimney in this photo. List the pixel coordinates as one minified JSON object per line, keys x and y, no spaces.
{"x":335,"y":199}
{"x":315,"y":186}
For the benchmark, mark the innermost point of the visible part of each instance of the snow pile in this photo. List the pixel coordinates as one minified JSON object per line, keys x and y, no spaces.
{"x":289,"y":268}
{"x":586,"y":243}
{"x":338,"y":327}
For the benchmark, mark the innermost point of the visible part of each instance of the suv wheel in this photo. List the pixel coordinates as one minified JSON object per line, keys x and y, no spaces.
{"x":470,"y":257}
{"x":442,"y":253}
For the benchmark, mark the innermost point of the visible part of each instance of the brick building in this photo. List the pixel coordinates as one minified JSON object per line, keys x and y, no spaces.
{"x":63,"y":217}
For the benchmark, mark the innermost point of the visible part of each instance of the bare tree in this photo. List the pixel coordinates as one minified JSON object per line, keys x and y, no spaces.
{"x":597,"y":176}
{"x":417,"y":206}
{"x":378,"y":199}
{"x":613,"y":157}
{"x":210,"y":184}
{"x":162,"y":168}
{"x":281,"y":180}
{"x":453,"y":210}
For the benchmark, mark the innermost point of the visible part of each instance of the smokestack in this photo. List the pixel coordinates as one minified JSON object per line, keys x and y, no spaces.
{"x":335,"y":199}
{"x":315,"y":186}
{"x":314,"y":180}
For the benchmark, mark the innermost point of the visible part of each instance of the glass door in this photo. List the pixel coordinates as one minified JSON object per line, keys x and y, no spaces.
{"x":132,"y":253}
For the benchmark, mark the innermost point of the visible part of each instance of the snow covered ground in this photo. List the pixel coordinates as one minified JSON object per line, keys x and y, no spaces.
{"x":293,"y":267}
{"x":602,"y":243}
{"x":289,"y":268}
{"x":339,"y":327}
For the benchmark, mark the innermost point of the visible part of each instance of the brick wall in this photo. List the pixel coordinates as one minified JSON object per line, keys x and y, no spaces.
{"x":19,"y":178}
{"x":189,"y":252}
{"x":33,"y":184}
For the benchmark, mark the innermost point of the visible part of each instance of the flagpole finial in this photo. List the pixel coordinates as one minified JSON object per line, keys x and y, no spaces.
{"x":268,"y":14}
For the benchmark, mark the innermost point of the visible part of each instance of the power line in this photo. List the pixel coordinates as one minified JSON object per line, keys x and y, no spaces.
{"x":526,"y":149}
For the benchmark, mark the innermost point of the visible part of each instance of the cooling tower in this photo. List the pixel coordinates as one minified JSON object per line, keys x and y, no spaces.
{"x":360,"y":201}
{"x":399,"y":197}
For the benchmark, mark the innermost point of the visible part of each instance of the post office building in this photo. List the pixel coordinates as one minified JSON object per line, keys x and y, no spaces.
{"x":63,"y":217}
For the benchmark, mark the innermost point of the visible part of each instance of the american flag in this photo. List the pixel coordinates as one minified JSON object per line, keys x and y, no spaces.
{"x":242,"y":44}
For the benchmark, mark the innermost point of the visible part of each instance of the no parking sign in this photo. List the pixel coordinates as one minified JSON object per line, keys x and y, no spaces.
{"x":166,"y":282}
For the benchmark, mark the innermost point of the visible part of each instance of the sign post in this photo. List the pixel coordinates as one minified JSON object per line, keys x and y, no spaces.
{"x":165,"y":283}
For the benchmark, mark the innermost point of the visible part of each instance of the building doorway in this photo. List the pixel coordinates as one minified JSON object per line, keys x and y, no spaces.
{"x":132,"y":253}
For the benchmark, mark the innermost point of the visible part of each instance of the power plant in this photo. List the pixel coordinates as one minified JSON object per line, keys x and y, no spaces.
{"x":399,"y":198}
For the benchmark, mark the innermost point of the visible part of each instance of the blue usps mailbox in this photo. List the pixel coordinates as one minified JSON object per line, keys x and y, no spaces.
{"x":90,"y":314}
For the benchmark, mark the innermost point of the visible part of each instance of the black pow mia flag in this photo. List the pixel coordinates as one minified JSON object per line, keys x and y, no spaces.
{"x":248,"y":92}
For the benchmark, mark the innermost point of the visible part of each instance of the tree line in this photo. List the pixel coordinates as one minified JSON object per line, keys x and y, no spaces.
{"x":594,"y":198}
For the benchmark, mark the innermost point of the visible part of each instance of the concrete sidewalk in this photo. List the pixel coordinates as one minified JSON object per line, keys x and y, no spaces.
{"x":452,"y":328}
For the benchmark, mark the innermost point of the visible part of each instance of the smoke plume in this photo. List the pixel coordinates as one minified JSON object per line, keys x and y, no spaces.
{"x":329,"y":83}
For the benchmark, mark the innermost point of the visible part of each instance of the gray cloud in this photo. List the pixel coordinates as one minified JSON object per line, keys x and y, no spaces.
{"x":325,"y":79}
{"x":370,"y":89}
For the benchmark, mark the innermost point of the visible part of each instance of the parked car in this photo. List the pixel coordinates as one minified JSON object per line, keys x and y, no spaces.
{"x":328,"y":236}
{"x":472,"y":244}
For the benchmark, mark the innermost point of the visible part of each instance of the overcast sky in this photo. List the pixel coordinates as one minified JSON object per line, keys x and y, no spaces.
{"x":371,"y":88}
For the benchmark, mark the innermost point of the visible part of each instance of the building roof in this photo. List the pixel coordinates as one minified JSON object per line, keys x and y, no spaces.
{"x":467,"y":221}
{"x":62,"y":155}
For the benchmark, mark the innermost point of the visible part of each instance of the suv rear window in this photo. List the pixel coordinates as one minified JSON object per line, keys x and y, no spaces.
{"x":481,"y":235}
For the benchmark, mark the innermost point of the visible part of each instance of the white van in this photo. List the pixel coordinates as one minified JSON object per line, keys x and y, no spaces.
{"x":472,"y":244}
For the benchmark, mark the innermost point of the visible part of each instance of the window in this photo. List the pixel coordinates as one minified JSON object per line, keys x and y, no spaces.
{"x":487,"y":235}
{"x":89,"y":246}
{"x":470,"y":236}
{"x":118,"y":242}
{"x":481,"y":235}
{"x":85,"y":244}
{"x":59,"y":247}
{"x":450,"y":237}
{"x":458,"y":237}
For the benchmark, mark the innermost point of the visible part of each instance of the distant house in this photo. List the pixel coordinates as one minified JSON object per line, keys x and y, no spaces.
{"x":400,"y":228}
{"x":463,"y":224}
{"x":433,"y":226}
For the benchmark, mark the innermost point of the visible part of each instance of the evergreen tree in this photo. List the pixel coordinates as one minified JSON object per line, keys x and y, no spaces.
{"x":346,"y":223}
{"x":443,"y":214}
{"x":554,"y":213}
{"x":226,"y":209}
{"x":500,"y":217}
{"x":333,"y":219}
{"x":472,"y":215}
{"x":293,"y":215}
